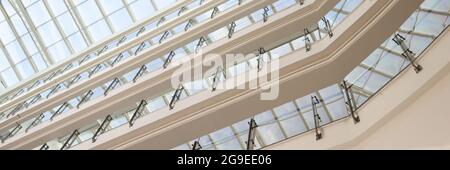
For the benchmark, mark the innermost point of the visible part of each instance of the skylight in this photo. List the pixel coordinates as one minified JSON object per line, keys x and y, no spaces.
{"x":35,"y":34}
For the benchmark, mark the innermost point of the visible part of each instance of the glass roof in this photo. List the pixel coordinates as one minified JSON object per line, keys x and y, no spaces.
{"x":277,"y":124}
{"x":35,"y":34}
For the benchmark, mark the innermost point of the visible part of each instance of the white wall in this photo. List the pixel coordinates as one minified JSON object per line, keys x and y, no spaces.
{"x":424,"y":124}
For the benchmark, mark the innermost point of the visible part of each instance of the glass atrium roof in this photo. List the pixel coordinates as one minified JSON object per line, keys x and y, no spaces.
{"x":73,"y":31}
{"x":35,"y":34}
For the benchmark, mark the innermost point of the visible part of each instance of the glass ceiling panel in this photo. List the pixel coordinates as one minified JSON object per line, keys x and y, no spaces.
{"x":35,"y":34}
